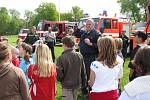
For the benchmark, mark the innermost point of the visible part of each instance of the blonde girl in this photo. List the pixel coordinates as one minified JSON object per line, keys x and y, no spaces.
{"x":42,"y":74}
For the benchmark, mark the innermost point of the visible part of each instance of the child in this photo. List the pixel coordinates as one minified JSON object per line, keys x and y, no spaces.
{"x":140,"y":39}
{"x":139,"y":88}
{"x":42,"y":74}
{"x":15,"y":59}
{"x":70,"y":69}
{"x":4,"y":39}
{"x":25,"y":52}
{"x":18,"y":42}
{"x":119,"y":44}
{"x":13,"y":84}
{"x":106,"y":71}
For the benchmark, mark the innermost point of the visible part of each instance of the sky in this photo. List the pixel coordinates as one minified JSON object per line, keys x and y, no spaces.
{"x":92,"y":7}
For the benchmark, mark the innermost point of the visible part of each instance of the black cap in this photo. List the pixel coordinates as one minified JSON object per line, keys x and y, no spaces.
{"x":141,"y":35}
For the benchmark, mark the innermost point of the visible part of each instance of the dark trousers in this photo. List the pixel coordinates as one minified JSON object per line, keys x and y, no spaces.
{"x":124,"y":52}
{"x":88,"y":59}
{"x":51,"y":47}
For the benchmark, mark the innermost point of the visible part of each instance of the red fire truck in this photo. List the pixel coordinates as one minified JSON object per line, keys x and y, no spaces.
{"x":111,"y":26}
{"x":59,"y":27}
{"x":23,"y":33}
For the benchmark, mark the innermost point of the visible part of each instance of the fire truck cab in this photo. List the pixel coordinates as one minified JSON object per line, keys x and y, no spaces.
{"x":114,"y":27}
{"x":59,"y":27}
{"x":83,"y":22}
{"x":109,"y":26}
{"x":23,"y":33}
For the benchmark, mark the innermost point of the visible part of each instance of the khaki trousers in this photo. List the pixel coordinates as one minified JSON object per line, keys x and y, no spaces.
{"x":69,"y":94}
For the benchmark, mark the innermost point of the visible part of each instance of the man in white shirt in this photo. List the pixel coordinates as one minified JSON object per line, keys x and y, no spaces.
{"x":50,"y":39}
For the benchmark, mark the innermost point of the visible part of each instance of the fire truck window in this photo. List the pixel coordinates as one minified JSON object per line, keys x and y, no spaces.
{"x":107,"y":24}
{"x":82,"y":22}
{"x":96,"y":22}
{"x":39,"y":27}
{"x":60,"y":28}
{"x":114,"y":24}
{"x":54,"y":29}
{"x":46,"y":27}
{"x":102,"y":26}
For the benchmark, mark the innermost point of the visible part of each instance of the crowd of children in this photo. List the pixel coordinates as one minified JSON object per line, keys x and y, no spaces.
{"x":24,"y":67}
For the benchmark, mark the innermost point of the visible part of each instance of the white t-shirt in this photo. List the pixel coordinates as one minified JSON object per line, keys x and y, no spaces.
{"x":125,"y":96}
{"x":106,"y":78}
{"x":49,"y":39}
{"x":138,"y":89}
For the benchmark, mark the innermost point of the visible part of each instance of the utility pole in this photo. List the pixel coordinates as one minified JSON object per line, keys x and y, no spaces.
{"x":59,"y":10}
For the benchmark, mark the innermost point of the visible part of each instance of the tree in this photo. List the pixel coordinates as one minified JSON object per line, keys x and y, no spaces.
{"x":4,"y":20}
{"x":74,"y":15}
{"x":14,"y":13}
{"x":66,"y":16}
{"x":135,"y":8}
{"x":77,"y":13}
{"x":29,"y":18}
{"x":46,"y":11}
{"x":15,"y":22}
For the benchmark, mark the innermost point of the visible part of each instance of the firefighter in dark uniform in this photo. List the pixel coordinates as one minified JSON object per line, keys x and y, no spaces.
{"x":88,"y":46}
{"x":125,"y":40}
{"x":32,"y":37}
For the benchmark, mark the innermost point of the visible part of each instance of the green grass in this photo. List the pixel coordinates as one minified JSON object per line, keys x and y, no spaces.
{"x":125,"y":79}
{"x":58,"y":50}
{"x":12,"y":39}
